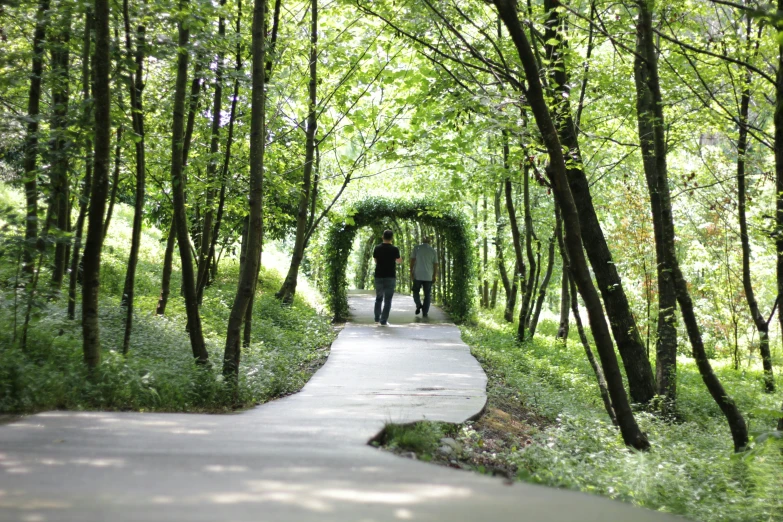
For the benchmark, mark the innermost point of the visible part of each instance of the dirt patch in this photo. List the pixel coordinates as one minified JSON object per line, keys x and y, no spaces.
{"x":485,"y":445}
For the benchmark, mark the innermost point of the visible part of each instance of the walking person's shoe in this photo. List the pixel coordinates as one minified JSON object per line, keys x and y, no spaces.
{"x":384,"y":323}
{"x":425,"y":315}
{"x":418,"y":309}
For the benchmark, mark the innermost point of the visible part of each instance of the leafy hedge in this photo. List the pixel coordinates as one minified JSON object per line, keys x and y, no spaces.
{"x":448,"y":222}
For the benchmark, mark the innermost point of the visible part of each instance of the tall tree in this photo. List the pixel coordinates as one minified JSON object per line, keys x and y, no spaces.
{"x":641,"y":381}
{"x":178,"y":190}
{"x":31,"y":140}
{"x":100,"y":186}
{"x":84,"y":197}
{"x":135,"y":81}
{"x":58,"y":215}
{"x":650,"y":112}
{"x":632,"y":435}
{"x":286,"y":293}
{"x":212,"y":166}
{"x":249,"y":272}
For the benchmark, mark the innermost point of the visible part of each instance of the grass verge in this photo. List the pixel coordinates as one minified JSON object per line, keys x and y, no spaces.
{"x":545,"y":424}
{"x":288,"y":343}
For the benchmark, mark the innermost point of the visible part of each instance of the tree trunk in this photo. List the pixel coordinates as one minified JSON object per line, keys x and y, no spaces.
{"x":632,"y":435}
{"x":30,"y":176}
{"x":212,"y":167}
{"x":509,"y":288}
{"x":84,"y":198}
{"x":524,"y":312}
{"x":516,"y":237}
{"x":115,"y":179}
{"x":226,"y":162}
{"x":165,"y":279}
{"x":485,"y":286}
{"x":641,"y":380}
{"x":178,"y":190}
{"x":762,"y":324}
{"x":565,"y":300}
{"x":599,"y":374}
{"x":666,"y":345}
{"x":135,"y":86}
{"x":249,"y":273}
{"x":650,"y":108}
{"x":100,"y":186}
{"x":544,"y":284}
{"x":58,"y":216}
{"x":288,"y":290}
{"x":778,"y":119}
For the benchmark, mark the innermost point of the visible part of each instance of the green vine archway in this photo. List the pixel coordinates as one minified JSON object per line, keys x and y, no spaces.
{"x":451,"y":225}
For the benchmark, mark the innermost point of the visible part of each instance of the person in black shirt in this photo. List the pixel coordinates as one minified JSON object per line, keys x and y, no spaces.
{"x":386,"y":256}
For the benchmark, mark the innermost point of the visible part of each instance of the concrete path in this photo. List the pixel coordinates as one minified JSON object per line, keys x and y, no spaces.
{"x":302,"y":458}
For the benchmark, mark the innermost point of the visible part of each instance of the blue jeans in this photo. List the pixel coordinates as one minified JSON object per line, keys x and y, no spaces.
{"x":384,"y":291}
{"x":427,"y":285}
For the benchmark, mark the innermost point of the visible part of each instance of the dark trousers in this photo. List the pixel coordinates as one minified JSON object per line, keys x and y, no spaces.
{"x":427,"y":285}
{"x":384,"y":291}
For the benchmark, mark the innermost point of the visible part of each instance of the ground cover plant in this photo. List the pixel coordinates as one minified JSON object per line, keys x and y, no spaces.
{"x":158,"y":374}
{"x":545,"y":424}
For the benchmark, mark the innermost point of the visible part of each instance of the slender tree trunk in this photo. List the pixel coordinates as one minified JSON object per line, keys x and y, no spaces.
{"x":172,"y":238}
{"x":599,"y":374}
{"x":135,"y":86}
{"x":510,"y":293}
{"x":31,"y":140}
{"x":641,"y":380}
{"x":485,"y":286}
{"x":650,"y":108}
{"x":544,"y":284}
{"x":165,"y":279}
{"x":84,"y":198}
{"x":115,"y":179}
{"x":762,"y":324}
{"x":516,"y":237}
{"x":212,"y":167}
{"x":565,"y":299}
{"x":524,"y":312}
{"x":178,"y":190}
{"x":288,"y":290}
{"x":226,"y":162}
{"x":249,"y":274}
{"x":58,"y":216}
{"x":632,"y":435}
{"x":666,"y":345}
{"x":92,"y":247}
{"x":779,"y":177}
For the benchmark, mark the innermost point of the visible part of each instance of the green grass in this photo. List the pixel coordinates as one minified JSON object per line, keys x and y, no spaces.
{"x":422,"y":438}
{"x":690,"y":470}
{"x":158,"y":374}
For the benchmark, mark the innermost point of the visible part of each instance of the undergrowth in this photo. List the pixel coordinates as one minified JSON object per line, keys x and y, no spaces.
{"x":158,"y":374}
{"x":690,"y":469}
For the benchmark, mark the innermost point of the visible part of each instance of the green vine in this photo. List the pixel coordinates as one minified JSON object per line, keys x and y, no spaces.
{"x":451,"y":224}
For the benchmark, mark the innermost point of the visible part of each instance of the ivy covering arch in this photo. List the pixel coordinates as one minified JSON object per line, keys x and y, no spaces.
{"x":450,"y":224}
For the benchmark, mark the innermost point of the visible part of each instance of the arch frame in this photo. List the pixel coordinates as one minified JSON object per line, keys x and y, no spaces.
{"x":450,"y":223}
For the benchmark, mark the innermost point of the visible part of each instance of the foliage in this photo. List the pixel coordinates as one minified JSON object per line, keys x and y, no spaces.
{"x":422,"y":438}
{"x":371,"y":210}
{"x":159,"y":373}
{"x":690,"y":469}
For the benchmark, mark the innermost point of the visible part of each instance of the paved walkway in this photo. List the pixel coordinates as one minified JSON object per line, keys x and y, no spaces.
{"x":302,"y":458}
